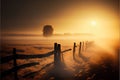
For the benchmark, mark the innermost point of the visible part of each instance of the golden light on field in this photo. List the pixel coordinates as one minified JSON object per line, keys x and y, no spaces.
{"x":34,"y":27}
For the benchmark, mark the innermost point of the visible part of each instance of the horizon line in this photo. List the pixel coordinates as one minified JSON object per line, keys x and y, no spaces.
{"x":56,"y":34}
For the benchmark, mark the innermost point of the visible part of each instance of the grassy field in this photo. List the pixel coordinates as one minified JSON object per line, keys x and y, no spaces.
{"x":98,"y":62}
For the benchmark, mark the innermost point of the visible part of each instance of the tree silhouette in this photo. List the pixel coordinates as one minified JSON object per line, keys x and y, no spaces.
{"x":47,"y":31}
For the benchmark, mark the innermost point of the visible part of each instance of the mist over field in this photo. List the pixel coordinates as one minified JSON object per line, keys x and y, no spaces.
{"x":101,"y":57}
{"x":60,"y":40}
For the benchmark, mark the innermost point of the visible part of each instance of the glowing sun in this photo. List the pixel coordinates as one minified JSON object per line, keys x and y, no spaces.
{"x":93,"y":23}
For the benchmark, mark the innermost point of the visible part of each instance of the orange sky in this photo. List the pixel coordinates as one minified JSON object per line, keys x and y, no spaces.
{"x":64,"y":16}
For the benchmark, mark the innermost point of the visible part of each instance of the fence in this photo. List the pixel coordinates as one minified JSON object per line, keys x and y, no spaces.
{"x":58,"y":59}
{"x":82,"y":47}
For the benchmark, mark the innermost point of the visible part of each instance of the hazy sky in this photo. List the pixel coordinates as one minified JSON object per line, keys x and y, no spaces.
{"x":29,"y":16}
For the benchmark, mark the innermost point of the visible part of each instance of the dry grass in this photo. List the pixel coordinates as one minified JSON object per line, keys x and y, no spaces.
{"x":98,"y":59}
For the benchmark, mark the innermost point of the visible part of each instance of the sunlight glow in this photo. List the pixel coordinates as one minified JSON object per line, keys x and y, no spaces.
{"x":93,"y":23}
{"x":85,"y":20}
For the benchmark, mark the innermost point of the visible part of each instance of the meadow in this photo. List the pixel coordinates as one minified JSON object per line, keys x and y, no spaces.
{"x":100,"y":61}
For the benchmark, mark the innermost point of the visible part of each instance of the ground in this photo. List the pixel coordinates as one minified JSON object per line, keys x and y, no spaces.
{"x":93,"y":63}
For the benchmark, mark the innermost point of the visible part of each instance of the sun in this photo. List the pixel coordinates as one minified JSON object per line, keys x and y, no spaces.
{"x":93,"y":23}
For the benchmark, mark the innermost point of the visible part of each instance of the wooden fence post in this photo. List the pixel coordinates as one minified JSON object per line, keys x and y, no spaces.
{"x":86,"y":45}
{"x":74,"y":50}
{"x":59,"y":53}
{"x":83,"y":46}
{"x":80,"y":46}
{"x":55,"y":54}
{"x":15,"y":64}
